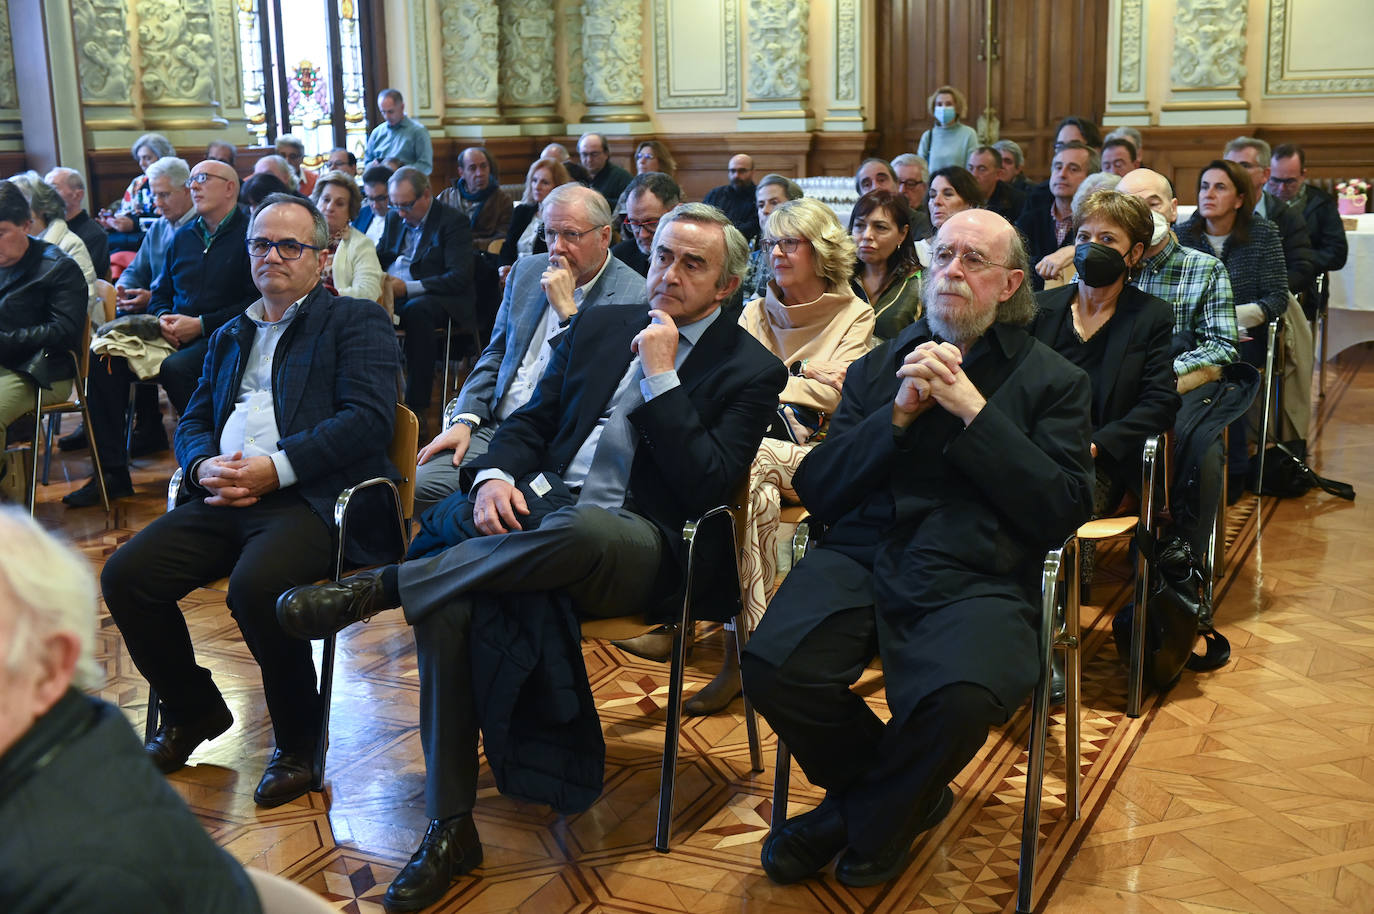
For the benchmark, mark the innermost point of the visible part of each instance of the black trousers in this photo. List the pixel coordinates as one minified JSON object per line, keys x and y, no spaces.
{"x":881,"y":777}
{"x":264,"y":549}
{"x":420,"y":318}
{"x":108,"y":391}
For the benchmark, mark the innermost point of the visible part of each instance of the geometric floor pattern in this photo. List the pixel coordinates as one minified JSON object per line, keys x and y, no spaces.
{"x":1247,"y":789}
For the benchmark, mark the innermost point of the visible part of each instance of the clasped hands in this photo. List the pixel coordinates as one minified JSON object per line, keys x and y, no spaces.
{"x":235,"y":481}
{"x":932,"y":374}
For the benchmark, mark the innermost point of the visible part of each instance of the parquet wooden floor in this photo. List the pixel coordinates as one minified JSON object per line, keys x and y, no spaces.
{"x":1248,"y":789}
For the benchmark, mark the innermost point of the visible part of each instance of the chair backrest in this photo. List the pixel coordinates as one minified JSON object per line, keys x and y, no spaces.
{"x":106,"y":293}
{"x":405,"y":444}
{"x":280,"y":895}
{"x":495,"y":246}
{"x":388,"y":298}
{"x":82,"y":357}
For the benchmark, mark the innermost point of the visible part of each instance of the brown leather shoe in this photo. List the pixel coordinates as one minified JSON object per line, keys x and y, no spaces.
{"x":173,"y":744}
{"x":288,"y":775}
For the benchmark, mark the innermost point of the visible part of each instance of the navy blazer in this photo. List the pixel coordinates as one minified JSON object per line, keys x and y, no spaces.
{"x":443,"y":258}
{"x":333,"y":391}
{"x":696,"y":441}
{"x":1137,"y":394}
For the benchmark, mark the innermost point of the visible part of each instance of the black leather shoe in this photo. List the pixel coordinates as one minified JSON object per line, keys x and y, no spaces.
{"x":320,"y":610}
{"x":173,"y":743}
{"x":117,"y":485}
{"x":857,"y":870}
{"x":804,"y":844}
{"x":75,"y":441}
{"x":288,"y":775}
{"x":450,"y":848}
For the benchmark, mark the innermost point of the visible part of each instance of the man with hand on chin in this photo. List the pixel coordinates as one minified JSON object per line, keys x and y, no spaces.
{"x":296,"y":402}
{"x":543,"y":294}
{"x":959,"y":455}
{"x":641,"y":422}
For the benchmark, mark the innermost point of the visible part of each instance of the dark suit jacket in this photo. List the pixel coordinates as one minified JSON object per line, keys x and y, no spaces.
{"x":443,"y":258}
{"x":42,"y":312}
{"x":333,"y":390}
{"x":1329,"y":246}
{"x":1298,"y":256}
{"x":695,"y":442}
{"x":628,"y":253}
{"x":1137,"y":394}
{"x":1036,"y":225}
{"x":1006,"y":201}
{"x":97,"y":242}
{"x":940,"y":514}
{"x":519,"y":221}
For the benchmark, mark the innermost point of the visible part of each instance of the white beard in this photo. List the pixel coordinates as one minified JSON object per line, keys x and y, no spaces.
{"x":958,"y":325}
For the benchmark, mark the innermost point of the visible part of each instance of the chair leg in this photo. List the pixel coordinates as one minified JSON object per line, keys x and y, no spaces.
{"x":782,"y":776}
{"x":448,"y":355}
{"x":1040,"y":714}
{"x":1269,"y":391}
{"x":54,"y":426}
{"x":1073,"y":672}
{"x":673,"y":728}
{"x":1135,"y":684}
{"x":33,"y":449}
{"x":326,"y":691}
{"x":150,"y":722}
{"x":751,"y":720}
{"x":95,"y":455}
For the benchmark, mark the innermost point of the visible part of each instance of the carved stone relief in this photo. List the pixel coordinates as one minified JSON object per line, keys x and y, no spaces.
{"x":227,"y":40}
{"x":471,"y":52}
{"x":570,"y":33}
{"x":777,"y":50}
{"x":846,"y":50}
{"x":102,"y":50}
{"x":9,"y":92}
{"x":419,"y":55}
{"x":178,"y":51}
{"x":611,"y":70}
{"x":1209,"y":44}
{"x":528,"y":77}
{"x":1130,"y":43}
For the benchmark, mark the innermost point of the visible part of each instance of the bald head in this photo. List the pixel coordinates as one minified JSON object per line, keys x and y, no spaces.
{"x":1153,"y":188}
{"x":741,"y":170}
{"x":214,"y":189}
{"x":965,"y":294}
{"x":70,"y":187}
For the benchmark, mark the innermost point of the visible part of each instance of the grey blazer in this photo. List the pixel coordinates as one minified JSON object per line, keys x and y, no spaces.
{"x":520,"y":314}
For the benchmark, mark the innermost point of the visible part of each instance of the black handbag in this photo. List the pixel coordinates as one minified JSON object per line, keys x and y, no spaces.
{"x":1287,"y":475}
{"x":1178,"y":613}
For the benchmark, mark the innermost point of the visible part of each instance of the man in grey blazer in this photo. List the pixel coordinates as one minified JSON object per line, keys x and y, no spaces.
{"x":543,"y":294}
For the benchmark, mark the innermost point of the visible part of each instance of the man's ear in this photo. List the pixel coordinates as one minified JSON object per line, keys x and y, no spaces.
{"x":729,"y":290}
{"x":1014,"y":280}
{"x":57,"y":657}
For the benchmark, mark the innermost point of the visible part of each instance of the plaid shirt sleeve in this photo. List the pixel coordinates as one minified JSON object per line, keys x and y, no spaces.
{"x":1200,"y":290}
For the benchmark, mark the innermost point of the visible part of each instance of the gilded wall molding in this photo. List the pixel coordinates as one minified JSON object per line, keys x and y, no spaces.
{"x":1279,"y":81}
{"x":102,"y":51}
{"x":667,"y":96}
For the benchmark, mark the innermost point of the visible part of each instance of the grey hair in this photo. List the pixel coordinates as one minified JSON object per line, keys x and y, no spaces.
{"x":394,"y":94}
{"x":408,"y":174}
{"x":491,"y":162}
{"x":790,"y":188}
{"x":1098,"y":180}
{"x":173,"y":169}
{"x":43,"y":198}
{"x":1020,"y":308}
{"x":658,"y":184}
{"x":287,"y":139}
{"x":54,"y":591}
{"x":594,"y":206}
{"x":71,"y":176}
{"x":911,"y":158}
{"x":1125,"y":133}
{"x":1094,"y":157}
{"x":282,"y":167}
{"x":156,"y":142}
{"x":319,"y":236}
{"x":1250,"y":142}
{"x":1012,"y":147}
{"x":736,"y":263}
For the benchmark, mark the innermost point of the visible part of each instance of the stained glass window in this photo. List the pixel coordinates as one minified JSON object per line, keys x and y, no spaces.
{"x":303,"y":73}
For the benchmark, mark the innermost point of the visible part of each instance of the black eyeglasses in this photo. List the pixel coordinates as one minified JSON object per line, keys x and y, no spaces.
{"x":287,"y":249}
{"x":786,"y":245}
{"x":403,"y":207}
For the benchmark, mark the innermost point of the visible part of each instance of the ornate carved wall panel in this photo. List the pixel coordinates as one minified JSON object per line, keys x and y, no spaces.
{"x":103,"y":51}
{"x":9,"y":93}
{"x":1209,"y":44}
{"x":529,"y":79}
{"x":1127,"y":98}
{"x":612,"y":73}
{"x":175,"y":41}
{"x":696,"y":53}
{"x":778,"y":49}
{"x":470,"y":41}
{"x":1325,"y":50}
{"x":846,"y":111}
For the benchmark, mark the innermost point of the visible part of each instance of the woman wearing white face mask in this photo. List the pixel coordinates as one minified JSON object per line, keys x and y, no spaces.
{"x":950,"y":141}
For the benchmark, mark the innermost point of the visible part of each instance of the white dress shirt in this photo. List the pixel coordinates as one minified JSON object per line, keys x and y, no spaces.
{"x":252,"y":426}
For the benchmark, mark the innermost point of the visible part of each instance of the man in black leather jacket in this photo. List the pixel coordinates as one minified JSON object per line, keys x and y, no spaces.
{"x":43,"y":300}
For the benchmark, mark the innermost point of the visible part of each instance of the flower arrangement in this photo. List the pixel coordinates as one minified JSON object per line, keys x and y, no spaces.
{"x":1352,"y":196}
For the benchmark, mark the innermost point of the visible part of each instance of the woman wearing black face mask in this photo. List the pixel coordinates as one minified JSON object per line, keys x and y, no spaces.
{"x":1119,"y":335}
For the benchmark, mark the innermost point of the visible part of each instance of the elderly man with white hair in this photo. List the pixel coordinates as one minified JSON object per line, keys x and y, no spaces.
{"x":71,"y":187}
{"x":86,"y":824}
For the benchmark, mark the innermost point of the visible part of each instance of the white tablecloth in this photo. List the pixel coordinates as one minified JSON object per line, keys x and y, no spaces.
{"x":1351,"y":309}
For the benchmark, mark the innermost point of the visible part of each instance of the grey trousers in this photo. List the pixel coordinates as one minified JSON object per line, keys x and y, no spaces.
{"x":605,"y":560}
{"x":438,"y":479}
